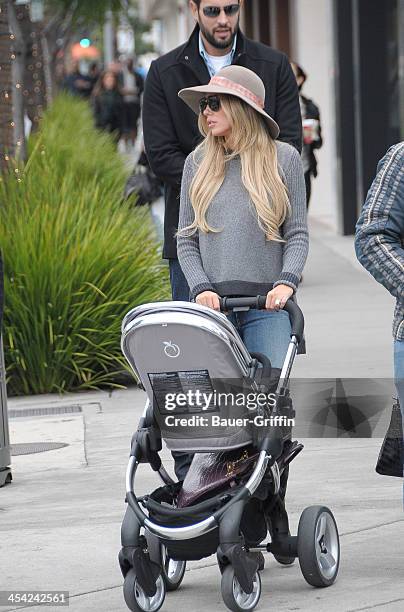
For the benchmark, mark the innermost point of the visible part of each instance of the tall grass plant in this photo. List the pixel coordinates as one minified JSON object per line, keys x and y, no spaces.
{"x":76,"y":258}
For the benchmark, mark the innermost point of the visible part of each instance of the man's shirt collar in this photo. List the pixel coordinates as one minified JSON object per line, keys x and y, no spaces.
{"x":206,"y":58}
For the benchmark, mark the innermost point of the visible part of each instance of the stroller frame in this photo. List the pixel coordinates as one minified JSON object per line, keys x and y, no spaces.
{"x":141,"y":555}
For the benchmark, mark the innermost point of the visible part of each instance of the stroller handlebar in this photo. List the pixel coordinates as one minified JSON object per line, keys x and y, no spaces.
{"x":258,"y":302}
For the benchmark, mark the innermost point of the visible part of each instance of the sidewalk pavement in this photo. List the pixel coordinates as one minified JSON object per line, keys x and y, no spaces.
{"x":61,"y":516}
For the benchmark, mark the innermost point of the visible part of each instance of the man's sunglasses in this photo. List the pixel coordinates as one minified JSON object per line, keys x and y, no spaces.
{"x":214,"y":11}
{"x":212,"y":101}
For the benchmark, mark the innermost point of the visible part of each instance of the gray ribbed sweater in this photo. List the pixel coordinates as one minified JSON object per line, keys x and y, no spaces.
{"x":239,"y":260}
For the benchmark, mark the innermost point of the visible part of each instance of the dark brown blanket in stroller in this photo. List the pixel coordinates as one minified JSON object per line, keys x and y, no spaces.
{"x":210,"y":472}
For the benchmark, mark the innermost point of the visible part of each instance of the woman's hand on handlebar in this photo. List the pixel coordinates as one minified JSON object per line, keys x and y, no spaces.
{"x":209,"y":299}
{"x":277,"y":297}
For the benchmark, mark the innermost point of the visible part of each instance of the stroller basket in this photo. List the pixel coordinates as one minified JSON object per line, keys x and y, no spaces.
{"x":252,"y":524}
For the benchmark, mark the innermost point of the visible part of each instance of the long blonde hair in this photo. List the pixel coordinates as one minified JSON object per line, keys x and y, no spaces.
{"x":251,"y":140}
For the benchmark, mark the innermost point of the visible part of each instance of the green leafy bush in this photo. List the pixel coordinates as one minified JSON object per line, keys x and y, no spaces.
{"x":76,"y":258}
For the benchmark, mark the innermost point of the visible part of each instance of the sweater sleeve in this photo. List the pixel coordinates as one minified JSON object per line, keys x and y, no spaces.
{"x":188,"y":251}
{"x":294,"y":229}
{"x":380,"y":228}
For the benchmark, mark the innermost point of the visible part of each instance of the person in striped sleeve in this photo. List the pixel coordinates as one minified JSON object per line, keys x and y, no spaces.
{"x":379,"y":244}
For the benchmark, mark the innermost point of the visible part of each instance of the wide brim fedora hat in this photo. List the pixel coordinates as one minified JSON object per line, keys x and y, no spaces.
{"x":234,"y":81}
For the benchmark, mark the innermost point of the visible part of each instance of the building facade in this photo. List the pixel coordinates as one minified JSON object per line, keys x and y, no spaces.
{"x":353,"y":53}
{"x":173,"y":22}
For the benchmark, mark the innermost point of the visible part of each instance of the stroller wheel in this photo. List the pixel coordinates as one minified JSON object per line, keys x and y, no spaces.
{"x":233,"y":595}
{"x":135,"y":597}
{"x":318,"y":546}
{"x":172,"y":571}
{"x":284,"y":560}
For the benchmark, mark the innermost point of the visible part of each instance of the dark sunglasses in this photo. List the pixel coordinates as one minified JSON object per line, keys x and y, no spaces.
{"x":214,"y":11}
{"x":212,"y":101}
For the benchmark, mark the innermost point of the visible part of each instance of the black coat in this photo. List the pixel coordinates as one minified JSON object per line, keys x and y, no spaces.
{"x":108,"y":108}
{"x":312,"y":112}
{"x":170,"y":127}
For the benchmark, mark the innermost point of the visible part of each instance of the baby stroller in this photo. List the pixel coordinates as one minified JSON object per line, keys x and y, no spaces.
{"x":233,"y":493}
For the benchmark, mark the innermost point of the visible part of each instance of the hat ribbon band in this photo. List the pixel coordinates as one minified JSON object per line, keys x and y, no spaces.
{"x":223,"y":82}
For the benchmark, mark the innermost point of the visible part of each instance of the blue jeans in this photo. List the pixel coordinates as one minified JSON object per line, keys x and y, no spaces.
{"x":399,"y":371}
{"x":264,"y":331}
{"x":179,"y":285}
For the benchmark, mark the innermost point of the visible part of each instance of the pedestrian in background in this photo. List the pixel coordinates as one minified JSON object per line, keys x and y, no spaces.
{"x":379,"y":244}
{"x":132,"y":88}
{"x":312,"y":139}
{"x":77,"y":83}
{"x":94,"y":74}
{"x":171,"y":129}
{"x":108,"y":104}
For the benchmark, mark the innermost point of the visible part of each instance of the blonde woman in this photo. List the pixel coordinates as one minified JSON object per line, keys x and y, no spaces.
{"x":242,"y":225}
